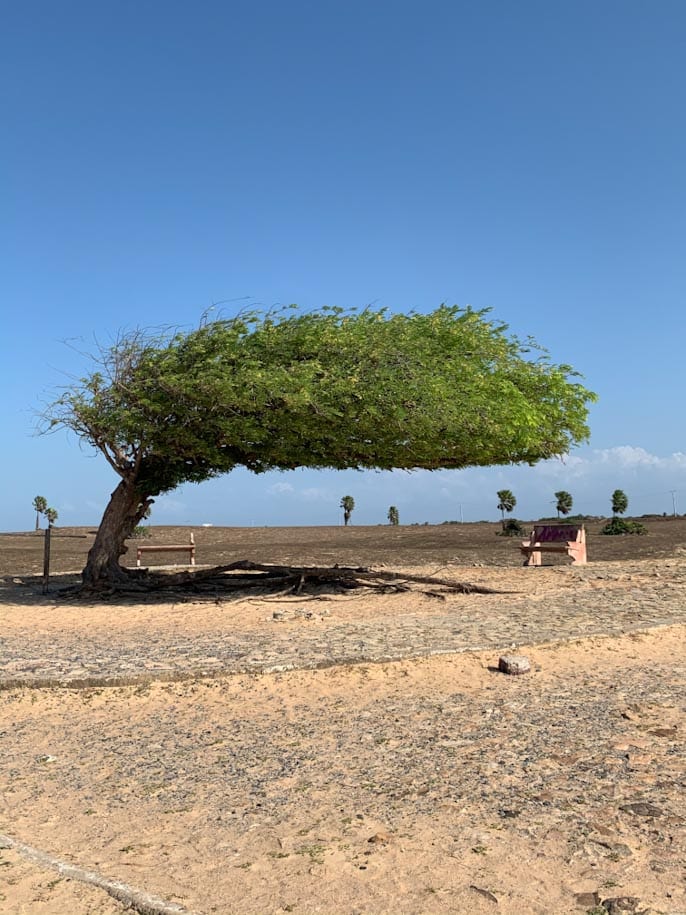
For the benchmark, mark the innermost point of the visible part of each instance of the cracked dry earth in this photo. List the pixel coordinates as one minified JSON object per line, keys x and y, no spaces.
{"x":392,"y":769}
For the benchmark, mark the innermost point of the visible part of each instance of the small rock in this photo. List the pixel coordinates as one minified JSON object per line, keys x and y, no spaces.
{"x":508,"y":814}
{"x":588,"y":900}
{"x":304,"y":614}
{"x":664,"y":732}
{"x":630,"y":714}
{"x":278,"y":616}
{"x":641,"y":809}
{"x":621,"y":905}
{"x":380,"y":838}
{"x":620,"y":850}
{"x":514,"y":664}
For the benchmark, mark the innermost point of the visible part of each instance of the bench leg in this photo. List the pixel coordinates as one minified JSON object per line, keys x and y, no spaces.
{"x":534,"y":559}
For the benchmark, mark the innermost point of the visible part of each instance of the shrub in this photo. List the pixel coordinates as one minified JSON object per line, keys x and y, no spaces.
{"x":619,"y":526}
{"x":140,"y":533}
{"x":511,"y":528}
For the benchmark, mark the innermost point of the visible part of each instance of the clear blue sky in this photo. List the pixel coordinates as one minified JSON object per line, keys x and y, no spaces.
{"x":529,"y":157}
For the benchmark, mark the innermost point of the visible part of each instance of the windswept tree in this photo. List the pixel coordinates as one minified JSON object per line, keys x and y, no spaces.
{"x":506,"y":502}
{"x":40,"y":506}
{"x":325,"y":389}
{"x":620,"y":503}
{"x":564,"y":502}
{"x":348,"y":505}
{"x":393,"y":515}
{"x":51,"y":515}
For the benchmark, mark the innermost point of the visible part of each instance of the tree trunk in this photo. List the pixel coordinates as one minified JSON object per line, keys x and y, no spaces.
{"x":125,"y":509}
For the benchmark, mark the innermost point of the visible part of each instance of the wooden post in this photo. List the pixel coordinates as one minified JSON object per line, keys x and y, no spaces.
{"x":46,"y":559}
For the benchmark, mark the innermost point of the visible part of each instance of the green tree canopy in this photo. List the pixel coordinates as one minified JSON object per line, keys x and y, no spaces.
{"x":330,"y":388}
{"x":393,"y":515}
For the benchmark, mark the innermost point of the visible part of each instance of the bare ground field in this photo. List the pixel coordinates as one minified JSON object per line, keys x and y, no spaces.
{"x":349,"y":753}
{"x":380,"y":545}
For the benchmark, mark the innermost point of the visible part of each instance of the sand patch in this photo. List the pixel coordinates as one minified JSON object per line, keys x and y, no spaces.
{"x":418,"y":785}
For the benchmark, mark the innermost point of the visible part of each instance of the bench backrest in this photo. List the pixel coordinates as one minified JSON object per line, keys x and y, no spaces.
{"x":556,"y":533}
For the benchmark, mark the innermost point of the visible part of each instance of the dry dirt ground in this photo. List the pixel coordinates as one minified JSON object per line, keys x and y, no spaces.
{"x":387,"y":767}
{"x":415,"y":545}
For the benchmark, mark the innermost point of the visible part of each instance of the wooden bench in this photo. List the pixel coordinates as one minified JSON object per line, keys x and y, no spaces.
{"x":555,"y":538}
{"x":167,"y":548}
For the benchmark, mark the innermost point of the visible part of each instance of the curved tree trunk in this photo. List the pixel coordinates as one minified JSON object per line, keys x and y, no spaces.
{"x":124,"y":510}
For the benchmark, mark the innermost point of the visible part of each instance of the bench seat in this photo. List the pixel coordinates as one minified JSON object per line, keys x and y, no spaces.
{"x":167,"y":548}
{"x":555,"y":538}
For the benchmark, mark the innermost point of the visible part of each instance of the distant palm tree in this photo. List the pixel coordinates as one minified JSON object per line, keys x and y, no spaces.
{"x":40,"y":504}
{"x":620,"y":503}
{"x":347,"y":504}
{"x":564,"y":502}
{"x":393,"y":516}
{"x":506,"y":501}
{"x":51,"y":515}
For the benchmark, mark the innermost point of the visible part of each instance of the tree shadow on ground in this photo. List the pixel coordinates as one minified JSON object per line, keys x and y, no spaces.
{"x":234,"y":581}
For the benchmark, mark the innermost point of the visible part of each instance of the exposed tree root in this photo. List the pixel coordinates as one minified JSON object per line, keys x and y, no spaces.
{"x":275,"y":581}
{"x":138,"y":901}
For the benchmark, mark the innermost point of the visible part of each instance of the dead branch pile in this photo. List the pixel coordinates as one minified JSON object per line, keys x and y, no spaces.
{"x":244,"y":576}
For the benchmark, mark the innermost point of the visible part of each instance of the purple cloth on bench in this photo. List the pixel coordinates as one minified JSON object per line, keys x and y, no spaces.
{"x":555,"y":534}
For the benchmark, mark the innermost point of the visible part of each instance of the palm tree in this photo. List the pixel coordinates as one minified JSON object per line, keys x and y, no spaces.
{"x":51,"y":515}
{"x":347,"y":504}
{"x":620,"y":503}
{"x":506,"y":501}
{"x":564,"y":502}
{"x":40,"y":504}
{"x":393,"y":516}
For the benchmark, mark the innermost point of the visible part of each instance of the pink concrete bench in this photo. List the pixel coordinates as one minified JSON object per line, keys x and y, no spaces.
{"x":167,"y":548}
{"x":555,"y":538}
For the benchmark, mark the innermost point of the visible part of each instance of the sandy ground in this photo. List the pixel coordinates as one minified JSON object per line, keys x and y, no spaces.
{"x":423,"y":785}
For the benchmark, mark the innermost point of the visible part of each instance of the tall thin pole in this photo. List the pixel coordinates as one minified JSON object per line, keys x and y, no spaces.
{"x":673,"y":492}
{"x":46,"y":559}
